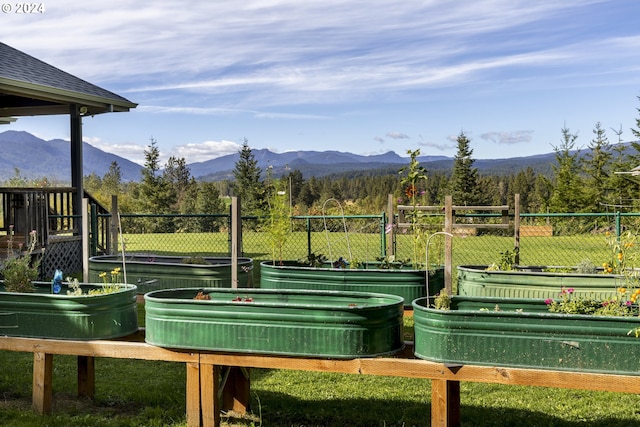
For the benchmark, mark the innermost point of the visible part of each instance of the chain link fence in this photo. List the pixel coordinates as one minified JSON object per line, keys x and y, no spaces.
{"x":545,"y":239}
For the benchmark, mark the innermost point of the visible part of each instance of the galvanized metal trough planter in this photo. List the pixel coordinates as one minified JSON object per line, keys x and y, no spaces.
{"x":43,"y":314}
{"x":152,"y":272}
{"x":404,"y":282}
{"x":533,"y":282}
{"x":523,"y":333}
{"x":284,"y":322}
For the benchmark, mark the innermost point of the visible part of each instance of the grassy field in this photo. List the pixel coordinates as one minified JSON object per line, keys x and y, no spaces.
{"x":470,"y":250}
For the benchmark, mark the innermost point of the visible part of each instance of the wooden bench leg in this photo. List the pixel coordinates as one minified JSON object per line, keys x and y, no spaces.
{"x":42,"y":382}
{"x":445,"y":403}
{"x":193,"y":395}
{"x":86,"y":376}
{"x":209,"y":389}
{"x":237,"y":393}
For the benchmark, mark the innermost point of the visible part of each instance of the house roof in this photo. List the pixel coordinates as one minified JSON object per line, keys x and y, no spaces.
{"x":30,"y":87}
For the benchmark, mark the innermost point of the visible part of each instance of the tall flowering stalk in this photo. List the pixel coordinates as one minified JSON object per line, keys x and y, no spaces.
{"x":415,"y":174}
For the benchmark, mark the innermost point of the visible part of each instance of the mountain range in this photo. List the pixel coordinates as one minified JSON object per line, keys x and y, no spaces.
{"x":36,"y":158}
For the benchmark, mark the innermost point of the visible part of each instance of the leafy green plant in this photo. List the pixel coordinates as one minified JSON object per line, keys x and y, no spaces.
{"x":313,"y":260}
{"x":586,"y":267}
{"x":109,"y":285}
{"x":620,"y":305}
{"x":415,"y":174}
{"x":19,"y":269}
{"x":442,"y":301}
{"x":621,"y":254}
{"x":391,"y":263}
{"x":74,"y":286}
{"x":277,"y":222}
{"x":507,"y":261}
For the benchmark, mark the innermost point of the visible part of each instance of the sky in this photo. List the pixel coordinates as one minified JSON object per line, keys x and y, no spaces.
{"x":365,"y":77}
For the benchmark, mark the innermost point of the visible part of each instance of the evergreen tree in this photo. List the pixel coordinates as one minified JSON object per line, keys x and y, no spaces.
{"x":209,"y":202}
{"x":310,"y":192}
{"x":247,"y":186}
{"x":568,"y":193}
{"x":623,"y":189}
{"x":112,"y":180}
{"x":596,"y":164}
{"x":156,"y":194}
{"x":178,"y":176}
{"x":464,"y":181}
{"x":524,"y":184}
{"x":296,"y":181}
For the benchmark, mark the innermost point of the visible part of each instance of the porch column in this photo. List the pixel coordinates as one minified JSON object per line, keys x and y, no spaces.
{"x":76,"y":161}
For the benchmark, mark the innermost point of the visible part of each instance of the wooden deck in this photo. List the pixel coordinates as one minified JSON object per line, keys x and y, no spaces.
{"x":204,"y":372}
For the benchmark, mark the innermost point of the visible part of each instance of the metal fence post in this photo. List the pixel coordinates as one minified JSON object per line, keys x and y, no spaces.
{"x":309,"y":252}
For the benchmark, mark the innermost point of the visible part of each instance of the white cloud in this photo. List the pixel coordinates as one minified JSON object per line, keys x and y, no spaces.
{"x":261,"y":53}
{"x":207,"y":150}
{"x":513,"y":137}
{"x":130,"y":151}
{"x":397,"y":135}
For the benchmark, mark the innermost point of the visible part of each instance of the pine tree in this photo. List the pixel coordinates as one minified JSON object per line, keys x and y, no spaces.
{"x":596,"y":165}
{"x":209,"y":202}
{"x":247,"y":186}
{"x":156,"y":194}
{"x":112,"y":180}
{"x":568,"y":193}
{"x":464,"y":181}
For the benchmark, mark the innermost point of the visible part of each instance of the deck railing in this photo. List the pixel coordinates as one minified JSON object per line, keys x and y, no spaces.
{"x":47,"y":211}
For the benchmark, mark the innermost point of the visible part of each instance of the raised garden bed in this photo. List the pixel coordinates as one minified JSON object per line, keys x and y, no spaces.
{"x":152,"y":272}
{"x":284,"y":322}
{"x":523,"y":333}
{"x":534,"y":282}
{"x":43,"y":314}
{"x":404,"y":282}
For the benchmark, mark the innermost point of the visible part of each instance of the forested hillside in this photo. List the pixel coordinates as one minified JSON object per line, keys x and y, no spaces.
{"x":585,"y":180}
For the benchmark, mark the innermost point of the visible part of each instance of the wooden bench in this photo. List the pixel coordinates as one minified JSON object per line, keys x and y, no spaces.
{"x":203,"y":383}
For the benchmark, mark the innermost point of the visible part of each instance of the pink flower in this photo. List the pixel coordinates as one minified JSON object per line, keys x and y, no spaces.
{"x":548,"y":301}
{"x":570,"y":290}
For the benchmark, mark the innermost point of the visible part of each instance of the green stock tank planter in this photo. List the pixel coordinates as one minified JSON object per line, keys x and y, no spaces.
{"x":521,"y":332}
{"x":401,"y":281}
{"x":152,"y":272}
{"x":284,"y":322}
{"x":43,"y":314}
{"x":534,"y":282}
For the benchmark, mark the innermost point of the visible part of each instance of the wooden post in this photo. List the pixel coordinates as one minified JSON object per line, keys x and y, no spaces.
{"x":209,"y":390}
{"x":236,"y":239}
{"x":193,"y":395}
{"x":448,"y":244}
{"x":76,"y":161}
{"x":114,"y":225}
{"x":390,"y":231}
{"x":445,"y":403}
{"x":85,"y":240}
{"x":236,"y":392}
{"x":516,"y":227}
{"x":42,"y":382}
{"x":86,"y":376}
